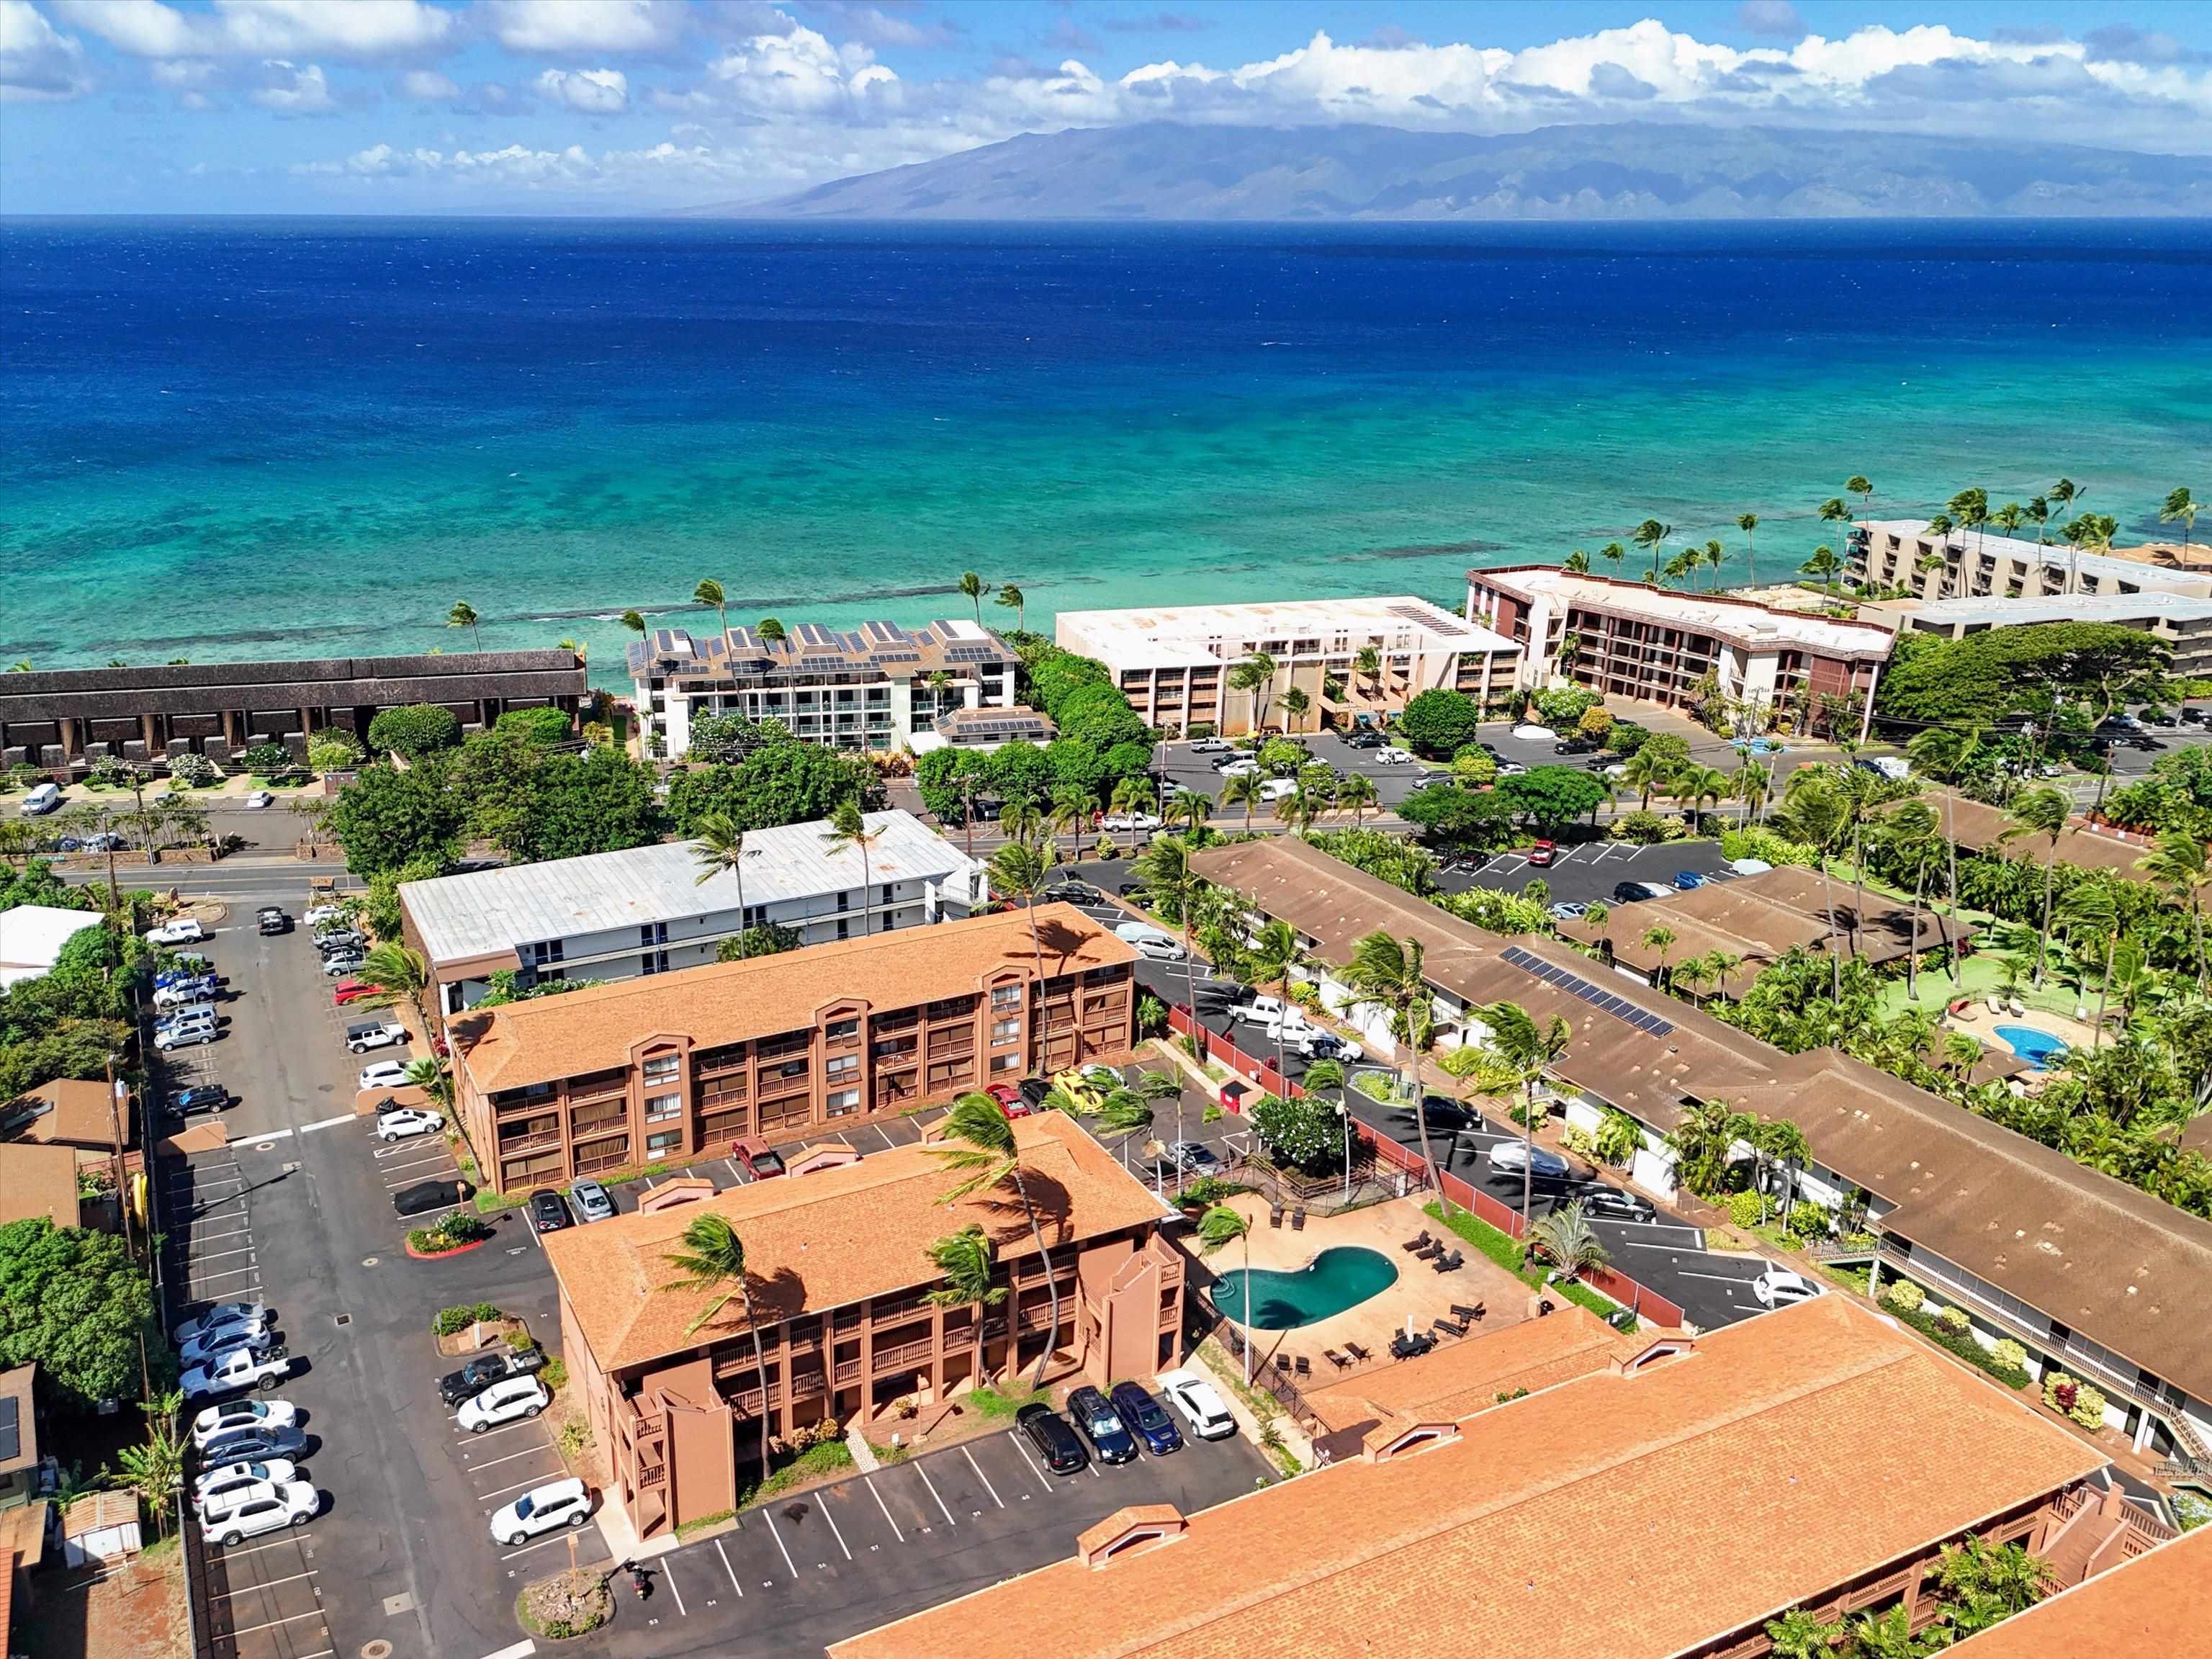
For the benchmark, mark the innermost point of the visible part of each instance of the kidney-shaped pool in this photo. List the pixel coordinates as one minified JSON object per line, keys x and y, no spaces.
{"x":1339,"y":1277}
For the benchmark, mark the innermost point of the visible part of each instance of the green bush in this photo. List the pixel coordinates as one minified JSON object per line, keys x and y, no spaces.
{"x":1756,"y":841}
{"x":2010,"y":1355}
{"x":194,"y":771}
{"x":1954,"y":1320}
{"x":1810,"y":1220}
{"x":1963,"y":1345}
{"x":554,"y":1372}
{"x":1745,"y":1209}
{"x":263,"y":759}
{"x":1903,"y":1296}
{"x":1646,"y":828}
{"x":418,"y":729}
{"x":451,"y":1321}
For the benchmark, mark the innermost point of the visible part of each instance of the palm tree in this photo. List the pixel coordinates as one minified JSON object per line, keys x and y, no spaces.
{"x":770,"y":631}
{"x":1823,"y":567}
{"x":1254,"y":676}
{"x":720,"y":845}
{"x":2008,"y":518}
{"x":2038,"y":510}
{"x":1701,"y":1139}
{"x":2041,"y":812}
{"x":982,"y":1148}
{"x":1662,"y":939}
{"x":1747,"y":522}
{"x":1357,"y":791}
{"x":1133,"y":796}
{"x":1911,"y":833}
{"x":1616,"y":552}
{"x":1577,"y":562}
{"x":849,"y":827}
{"x":1191,"y":808}
{"x":1324,"y":1076}
{"x":1564,"y":1238}
{"x":399,"y":975}
{"x":2062,"y":495}
{"x":2179,"y":509}
{"x":1596,"y":918}
{"x":464,"y":615}
{"x":1751,"y":784}
{"x":153,"y":1471}
{"x":971,"y":589}
{"x":709,"y":593}
{"x":1482,"y":1074}
{"x":1987,"y":1583}
{"x":1694,"y":974}
{"x":1856,"y":485}
{"x":1242,"y":790}
{"x":1815,"y":814}
{"x":1389,"y":973}
{"x":712,"y":1260}
{"x":967,"y":1260}
{"x":1942,"y":752}
{"x":424,"y":1072}
{"x":1273,"y":953}
{"x":1779,"y":1144}
{"x":1971,"y":509}
{"x":1724,"y":968}
{"x":1680,"y":565}
{"x":1647,"y":773}
{"x":1715,"y":555}
{"x":1697,"y":785}
{"x":634,"y":621}
{"x":1367,"y":663}
{"x":1011,"y":597}
{"x":1296,"y":703}
{"x":1531,"y":1050}
{"x":1649,"y":535}
{"x":1018,"y":870}
{"x":1164,"y":868}
{"x":2178,"y":867}
{"x":1218,"y":1229}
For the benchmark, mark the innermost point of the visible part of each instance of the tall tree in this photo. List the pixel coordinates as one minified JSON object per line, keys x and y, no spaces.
{"x":1858,"y":485}
{"x":398,"y":975}
{"x":1615,"y":552}
{"x":1356,"y":792}
{"x":711,"y":1261}
{"x":849,"y":827}
{"x":1565,"y":1239}
{"x":709,"y":593}
{"x":634,"y":621}
{"x":1532,"y":1050}
{"x":2062,"y":496}
{"x":769,"y":631}
{"x":2179,"y":868}
{"x":1661,"y":939}
{"x":1018,"y":870}
{"x":1815,"y":813}
{"x":1255,"y":676}
{"x":153,"y":1470}
{"x":1747,"y":522}
{"x":464,"y":615}
{"x":720,"y":845}
{"x":1388,"y":973}
{"x":1651,"y":536}
{"x":1296,"y":704}
{"x":2179,"y":509}
{"x":1011,"y":598}
{"x":2041,"y":812}
{"x":1245,"y":789}
{"x":971,"y":589}
{"x":1576,"y":561}
{"x":1133,"y":797}
{"x":1273,"y":955}
{"x":1823,"y":567}
{"x":1218,"y":1229}
{"x":980,"y":1145}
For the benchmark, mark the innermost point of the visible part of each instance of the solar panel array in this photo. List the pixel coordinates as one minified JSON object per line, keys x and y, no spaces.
{"x":992,"y":727}
{"x":823,"y":664}
{"x":971,"y":653}
{"x":11,"y":1432}
{"x":896,"y":656}
{"x":1596,"y":995}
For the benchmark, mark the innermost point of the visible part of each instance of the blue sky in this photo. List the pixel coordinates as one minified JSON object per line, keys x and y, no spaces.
{"x":642,"y":106}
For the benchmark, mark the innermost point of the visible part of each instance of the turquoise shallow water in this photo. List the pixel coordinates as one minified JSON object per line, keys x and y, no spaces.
{"x":277,"y":438}
{"x":1340,"y":1277}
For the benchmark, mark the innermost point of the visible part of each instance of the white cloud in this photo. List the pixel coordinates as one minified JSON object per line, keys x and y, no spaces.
{"x":596,"y":92}
{"x":800,"y":72}
{"x":184,"y":72}
{"x":341,"y":28}
{"x":295,"y":91}
{"x":427,"y":86}
{"x":37,"y":63}
{"x":578,"y":25}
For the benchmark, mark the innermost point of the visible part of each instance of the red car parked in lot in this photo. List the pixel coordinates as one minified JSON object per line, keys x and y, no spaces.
{"x":1009,"y":1098}
{"x":1542,"y":853}
{"x":352,"y":990}
{"x":759,"y":1161}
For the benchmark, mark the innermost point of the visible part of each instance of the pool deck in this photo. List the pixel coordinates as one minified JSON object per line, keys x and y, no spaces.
{"x":1420,"y":1293}
{"x":1978,"y":1023}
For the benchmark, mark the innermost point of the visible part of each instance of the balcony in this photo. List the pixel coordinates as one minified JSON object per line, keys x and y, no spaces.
{"x":510,"y":1145}
{"x":902,"y":1356}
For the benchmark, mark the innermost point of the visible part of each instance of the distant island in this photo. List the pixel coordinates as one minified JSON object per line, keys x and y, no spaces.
{"x":1175,"y":171}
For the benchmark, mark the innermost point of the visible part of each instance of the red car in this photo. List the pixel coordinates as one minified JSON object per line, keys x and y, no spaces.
{"x":760,"y":1163}
{"x":1542,"y":853}
{"x":1009,"y":1098}
{"x":351,"y":990}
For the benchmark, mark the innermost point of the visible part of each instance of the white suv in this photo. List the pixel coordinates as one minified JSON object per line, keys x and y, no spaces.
{"x":505,"y":1403}
{"x":558,"y":1503}
{"x":264,"y":1507}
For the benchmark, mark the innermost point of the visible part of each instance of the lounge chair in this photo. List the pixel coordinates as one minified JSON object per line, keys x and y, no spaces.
{"x":1451,"y":1264}
{"x":1298,"y":1219}
{"x":1275,"y":1216}
{"x":1461,"y":1311}
{"x":1283,"y":1363}
{"x":1359,"y":1355}
{"x":1416,"y":1243}
{"x":1448,"y":1325}
{"x":1334,"y":1357}
{"x":1304,"y":1365}
{"x":1429,"y":1251}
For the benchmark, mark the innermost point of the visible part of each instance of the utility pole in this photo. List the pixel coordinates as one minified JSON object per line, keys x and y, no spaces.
{"x":115,"y":1091}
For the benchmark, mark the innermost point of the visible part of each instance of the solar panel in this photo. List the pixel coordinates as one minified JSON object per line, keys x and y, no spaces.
{"x":971,"y":653}
{"x":822,"y":665}
{"x":11,"y":1432}
{"x":1620,"y":1007}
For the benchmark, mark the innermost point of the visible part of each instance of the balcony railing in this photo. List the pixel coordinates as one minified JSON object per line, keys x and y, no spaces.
{"x":510,"y":1145}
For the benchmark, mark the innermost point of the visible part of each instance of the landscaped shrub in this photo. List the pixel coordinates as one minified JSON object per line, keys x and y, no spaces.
{"x":1745,"y":1209}
{"x":334,"y":750}
{"x":2089,"y":1408}
{"x":1810,"y":1221}
{"x":2010,"y":1355}
{"x":2060,"y":1392}
{"x":453,"y":1320}
{"x":414,"y":729}
{"x":263,"y":759}
{"x":1965,"y":1347}
{"x":1646,"y":828}
{"x":1954,"y":1320}
{"x":1903,"y":1296}
{"x":194,"y":771}
{"x":109,"y":772}
{"x":1579,"y":1141}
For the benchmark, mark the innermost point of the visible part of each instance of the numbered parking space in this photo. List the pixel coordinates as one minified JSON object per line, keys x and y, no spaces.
{"x":809,"y":1569}
{"x":265,"y":1598}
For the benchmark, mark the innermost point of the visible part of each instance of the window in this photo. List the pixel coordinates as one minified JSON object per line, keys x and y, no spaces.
{"x":839,"y":1068}
{"x":660,"y":1108}
{"x":654,"y":932}
{"x":1005,"y":1030}
{"x":844,"y":1101}
{"x":1009,"y":1063}
{"x":663,"y":1068}
{"x":843,"y":1030}
{"x":666,"y":1141}
{"x":1005,"y":997}
{"x":543,"y":952}
{"x":890,"y":891}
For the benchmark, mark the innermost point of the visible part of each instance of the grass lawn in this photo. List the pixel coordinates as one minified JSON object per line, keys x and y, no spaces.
{"x":1505,"y":1251}
{"x":1978,"y":978}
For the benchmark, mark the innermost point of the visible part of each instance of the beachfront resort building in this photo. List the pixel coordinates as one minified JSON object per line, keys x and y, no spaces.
{"x":1355,"y":660}
{"x":1630,"y":640}
{"x":837,"y":1261}
{"x":644,"y":1070}
{"x":646,"y":910}
{"x":2182,"y":621}
{"x":873,"y":688}
{"x":1667,"y":1500}
{"x":1968,"y":564}
{"x":61,"y":720}
{"x":2092,"y":1277}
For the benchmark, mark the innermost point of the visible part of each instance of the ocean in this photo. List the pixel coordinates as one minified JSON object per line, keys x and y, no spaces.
{"x":263,"y":438}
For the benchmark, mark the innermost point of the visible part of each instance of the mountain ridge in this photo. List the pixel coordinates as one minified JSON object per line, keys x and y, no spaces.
{"x":1179,"y":171}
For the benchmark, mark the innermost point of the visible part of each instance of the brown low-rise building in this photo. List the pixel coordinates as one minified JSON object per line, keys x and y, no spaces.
{"x":1666,"y":1505}
{"x":65,"y":719}
{"x":840,"y":1278}
{"x":661,"y":1068}
{"x":1982,"y":828}
{"x":2153,"y":1603}
{"x":38,"y":1182}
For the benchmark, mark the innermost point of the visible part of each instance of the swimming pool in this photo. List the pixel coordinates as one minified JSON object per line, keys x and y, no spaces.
{"x":1340,"y":1277}
{"x":2039,"y":1048}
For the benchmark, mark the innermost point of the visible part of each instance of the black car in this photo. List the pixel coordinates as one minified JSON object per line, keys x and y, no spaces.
{"x":1363,"y":739}
{"x":1612,"y":1204}
{"x":1033,"y":1090}
{"x":272,"y":918}
{"x":1328,"y":1045}
{"x":1072,"y":892}
{"x":1131,"y":889}
{"x":1443,"y":1113}
{"x":425,"y":1196}
{"x":480,"y":1373}
{"x":549,"y":1211}
{"x":1102,"y":1426}
{"x":1575,"y":746}
{"x":201,"y":1097}
{"x":1057,"y":1443}
{"x":1146,"y":1419}
{"x":1631,"y":892}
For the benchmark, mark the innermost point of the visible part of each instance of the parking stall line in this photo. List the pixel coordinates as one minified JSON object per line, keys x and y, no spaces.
{"x":730,"y":1570}
{"x":525,"y":1422}
{"x":219,"y":1255}
{"x":328,"y":1123}
{"x":559,"y":1537}
{"x":888,"y":1141}
{"x":502,"y":1491}
{"x":222,"y":1554}
{"x":273,"y":1624}
{"x":478,"y":1468}
{"x":735,"y":1174}
{"x":248,"y":1589}
{"x":668,"y":1572}
{"x":983,"y":1477}
{"x":939,"y":1496}
{"x":769,"y":1516}
{"x":869,"y":1482}
{"x":834,"y":1531}
{"x":228,"y":1272}
{"x":1023,"y":1452}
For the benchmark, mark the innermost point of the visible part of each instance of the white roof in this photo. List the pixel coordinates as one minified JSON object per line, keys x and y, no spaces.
{"x":1742,"y":619}
{"x":2052,"y":555}
{"x":2065,"y":607}
{"x":1194,"y":634}
{"x":31,"y":937}
{"x":489,"y":911}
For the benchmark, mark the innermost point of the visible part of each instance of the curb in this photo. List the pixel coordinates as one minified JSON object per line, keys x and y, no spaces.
{"x":440,"y":1256}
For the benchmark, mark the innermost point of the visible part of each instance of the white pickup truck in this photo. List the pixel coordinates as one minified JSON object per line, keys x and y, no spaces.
{"x":236,"y":1369}
{"x":374,"y":1034}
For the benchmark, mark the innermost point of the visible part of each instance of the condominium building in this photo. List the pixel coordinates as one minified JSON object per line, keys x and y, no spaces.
{"x":1663,"y":1503}
{"x":2182,"y":621}
{"x":842,"y":1288}
{"x":1629,"y":640}
{"x":2090,"y":1275}
{"x":871,"y":689}
{"x":1968,"y":564}
{"x":1174,"y":664}
{"x":646,"y":910}
{"x":661,"y":1070}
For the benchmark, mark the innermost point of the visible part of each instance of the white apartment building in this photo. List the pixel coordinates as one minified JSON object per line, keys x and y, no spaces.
{"x":1174,"y":663}
{"x":871,"y":689}
{"x":617,"y":915}
{"x":2183,"y":623}
{"x":1899,"y":553}
{"x":1639,"y":642}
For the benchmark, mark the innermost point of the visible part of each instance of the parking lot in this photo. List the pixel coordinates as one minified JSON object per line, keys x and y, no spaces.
{"x":1583,"y":872}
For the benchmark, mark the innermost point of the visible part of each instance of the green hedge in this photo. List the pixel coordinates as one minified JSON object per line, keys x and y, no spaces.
{"x":451,"y":1322}
{"x":1966,"y":1347}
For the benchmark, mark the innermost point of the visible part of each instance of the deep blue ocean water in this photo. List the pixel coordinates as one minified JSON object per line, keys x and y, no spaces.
{"x":266,"y":438}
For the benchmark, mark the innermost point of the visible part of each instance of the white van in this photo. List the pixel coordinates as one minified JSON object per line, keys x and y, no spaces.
{"x":41,"y":800}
